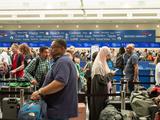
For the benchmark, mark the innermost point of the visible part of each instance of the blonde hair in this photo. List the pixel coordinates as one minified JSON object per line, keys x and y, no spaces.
{"x":15,"y":45}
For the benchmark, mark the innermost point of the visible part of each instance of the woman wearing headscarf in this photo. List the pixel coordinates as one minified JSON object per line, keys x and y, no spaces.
{"x":99,"y":84}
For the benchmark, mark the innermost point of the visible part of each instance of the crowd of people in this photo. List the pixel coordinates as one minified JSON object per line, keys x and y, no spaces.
{"x":57,"y":73}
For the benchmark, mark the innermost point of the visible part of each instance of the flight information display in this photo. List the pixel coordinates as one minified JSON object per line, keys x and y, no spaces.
{"x":79,"y":38}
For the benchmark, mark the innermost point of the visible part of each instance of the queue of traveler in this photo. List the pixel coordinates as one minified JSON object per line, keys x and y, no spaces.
{"x":57,"y":73}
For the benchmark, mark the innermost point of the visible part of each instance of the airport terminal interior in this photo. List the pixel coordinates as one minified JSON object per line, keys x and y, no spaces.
{"x":79,"y":59}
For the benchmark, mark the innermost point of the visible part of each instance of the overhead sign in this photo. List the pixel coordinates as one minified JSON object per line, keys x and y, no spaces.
{"x":79,"y":38}
{"x":78,"y":35}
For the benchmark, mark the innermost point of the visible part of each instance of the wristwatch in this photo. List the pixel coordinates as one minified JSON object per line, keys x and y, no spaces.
{"x":40,"y":93}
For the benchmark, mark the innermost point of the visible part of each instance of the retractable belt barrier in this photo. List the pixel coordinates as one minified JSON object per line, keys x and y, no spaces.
{"x":88,"y":95}
{"x":111,"y":94}
{"x":13,"y":93}
{"x":7,"y":81}
{"x":138,"y":75}
{"x":125,"y":82}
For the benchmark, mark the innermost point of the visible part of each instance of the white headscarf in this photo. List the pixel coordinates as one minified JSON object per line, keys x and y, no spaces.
{"x":100,"y":65}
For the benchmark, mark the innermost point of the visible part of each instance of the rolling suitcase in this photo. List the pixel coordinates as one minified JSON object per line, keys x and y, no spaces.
{"x":11,"y":105}
{"x":10,"y":108}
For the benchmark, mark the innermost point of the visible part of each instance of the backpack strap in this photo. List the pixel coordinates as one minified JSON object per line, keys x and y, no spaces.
{"x":36,"y":66}
{"x":37,"y":63}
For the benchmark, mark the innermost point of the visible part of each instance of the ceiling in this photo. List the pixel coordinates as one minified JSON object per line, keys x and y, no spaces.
{"x":79,"y":11}
{"x":77,"y":4}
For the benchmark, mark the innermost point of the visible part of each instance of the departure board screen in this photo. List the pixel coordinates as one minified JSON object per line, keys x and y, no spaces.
{"x":79,"y":38}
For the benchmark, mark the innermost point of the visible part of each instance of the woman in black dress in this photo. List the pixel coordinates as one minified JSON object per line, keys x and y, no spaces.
{"x":100,"y":78}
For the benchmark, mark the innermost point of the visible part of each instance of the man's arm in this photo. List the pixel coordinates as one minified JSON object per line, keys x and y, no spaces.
{"x":29,"y":69}
{"x":20,"y":68}
{"x":17,"y":69}
{"x":54,"y":87}
{"x":61,"y":80}
{"x":135,"y":72}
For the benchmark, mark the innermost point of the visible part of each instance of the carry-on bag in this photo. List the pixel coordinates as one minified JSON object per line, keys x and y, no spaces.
{"x":140,"y":103}
{"x":33,"y":110}
{"x":10,"y":106}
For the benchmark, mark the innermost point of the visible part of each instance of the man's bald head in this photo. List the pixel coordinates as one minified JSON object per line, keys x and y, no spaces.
{"x":130,"y":48}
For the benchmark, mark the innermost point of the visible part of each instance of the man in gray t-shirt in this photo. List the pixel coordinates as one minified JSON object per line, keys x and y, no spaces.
{"x":131,"y":68}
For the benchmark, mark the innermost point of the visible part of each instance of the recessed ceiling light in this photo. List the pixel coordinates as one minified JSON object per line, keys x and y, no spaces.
{"x":158,"y":26}
{"x":19,"y":26}
{"x":137,"y":26}
{"x":117,"y":26}
{"x":97,"y":26}
{"x":77,"y":26}
{"x":57,"y":26}
{"x":38,"y":26}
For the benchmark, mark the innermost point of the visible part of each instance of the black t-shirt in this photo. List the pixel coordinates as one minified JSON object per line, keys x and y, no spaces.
{"x":27,"y":60}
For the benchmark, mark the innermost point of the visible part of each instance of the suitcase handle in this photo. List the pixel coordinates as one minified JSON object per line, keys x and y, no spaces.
{"x":12,"y":101}
{"x":11,"y":107}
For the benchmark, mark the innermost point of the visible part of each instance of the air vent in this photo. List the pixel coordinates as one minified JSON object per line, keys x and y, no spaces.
{"x":78,"y":15}
{"x":28,"y":16}
{"x":5,"y":16}
{"x":56,"y":15}
{"x":143,"y":14}
{"x":114,"y":15}
{"x":91,"y":15}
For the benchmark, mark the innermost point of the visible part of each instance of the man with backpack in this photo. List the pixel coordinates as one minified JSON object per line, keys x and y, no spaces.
{"x":120,"y":59}
{"x":38,"y":68}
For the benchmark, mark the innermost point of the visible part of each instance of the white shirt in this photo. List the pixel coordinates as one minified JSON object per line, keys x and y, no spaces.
{"x":5,"y":58}
{"x":157,"y":74}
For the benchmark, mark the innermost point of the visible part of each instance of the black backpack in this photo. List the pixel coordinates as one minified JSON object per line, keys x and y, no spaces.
{"x":120,"y":61}
{"x":36,"y":66}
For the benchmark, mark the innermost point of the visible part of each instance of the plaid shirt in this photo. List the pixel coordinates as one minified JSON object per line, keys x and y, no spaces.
{"x":41,"y":71}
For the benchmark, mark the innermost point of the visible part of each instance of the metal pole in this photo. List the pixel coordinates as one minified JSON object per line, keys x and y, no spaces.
{"x":21,"y":97}
{"x":123,"y":94}
{"x":114,"y":89}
